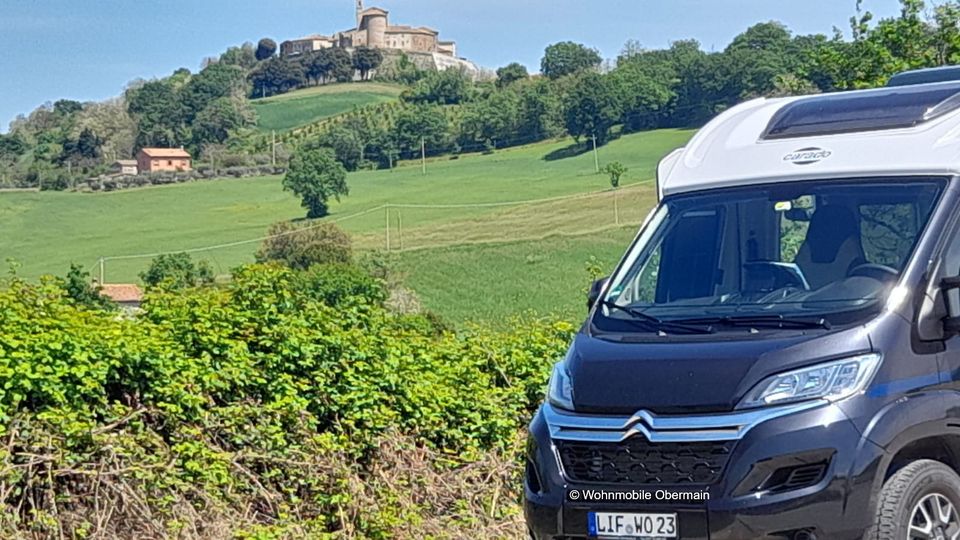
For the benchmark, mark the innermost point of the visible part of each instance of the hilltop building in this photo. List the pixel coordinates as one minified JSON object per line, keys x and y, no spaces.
{"x":375,"y":31}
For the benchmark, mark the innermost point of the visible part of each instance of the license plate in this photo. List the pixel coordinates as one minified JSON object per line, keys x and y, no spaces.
{"x":618,"y":525}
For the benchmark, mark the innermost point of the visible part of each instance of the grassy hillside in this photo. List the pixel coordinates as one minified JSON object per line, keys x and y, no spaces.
{"x":493,"y":282}
{"x":47,"y":231}
{"x":294,"y":109}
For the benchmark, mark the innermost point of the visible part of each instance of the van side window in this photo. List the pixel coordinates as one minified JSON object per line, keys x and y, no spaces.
{"x":645,"y":285}
{"x":951,"y":267}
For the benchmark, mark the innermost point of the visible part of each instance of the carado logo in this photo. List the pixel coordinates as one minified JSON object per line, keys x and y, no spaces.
{"x":807,"y":156}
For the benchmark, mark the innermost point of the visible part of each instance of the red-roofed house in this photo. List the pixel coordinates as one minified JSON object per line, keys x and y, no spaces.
{"x":163,"y":159}
{"x":127,"y":295}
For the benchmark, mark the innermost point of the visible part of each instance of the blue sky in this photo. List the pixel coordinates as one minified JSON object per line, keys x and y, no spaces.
{"x":90,"y":49}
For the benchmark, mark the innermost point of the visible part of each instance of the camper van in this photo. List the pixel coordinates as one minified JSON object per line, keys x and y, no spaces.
{"x":777,"y":356}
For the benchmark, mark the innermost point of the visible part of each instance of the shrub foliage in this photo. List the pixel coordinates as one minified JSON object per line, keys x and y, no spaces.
{"x":301,"y":246}
{"x":266,"y":408}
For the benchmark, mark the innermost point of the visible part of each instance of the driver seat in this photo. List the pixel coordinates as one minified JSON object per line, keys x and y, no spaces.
{"x":832,"y":247}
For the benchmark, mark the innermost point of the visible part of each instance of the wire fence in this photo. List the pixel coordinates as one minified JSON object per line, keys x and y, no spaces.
{"x":408,"y":227}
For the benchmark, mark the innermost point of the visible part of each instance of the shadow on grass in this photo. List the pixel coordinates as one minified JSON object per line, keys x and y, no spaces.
{"x":574,"y":150}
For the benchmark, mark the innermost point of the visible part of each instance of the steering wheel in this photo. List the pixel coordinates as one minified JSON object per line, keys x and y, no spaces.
{"x":878,"y":272}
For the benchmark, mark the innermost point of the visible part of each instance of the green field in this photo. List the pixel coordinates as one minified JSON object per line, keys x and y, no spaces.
{"x":482,"y":261}
{"x":491,"y":282}
{"x":294,"y":109}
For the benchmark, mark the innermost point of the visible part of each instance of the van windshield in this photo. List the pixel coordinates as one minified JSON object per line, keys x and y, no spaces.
{"x":817,"y":252}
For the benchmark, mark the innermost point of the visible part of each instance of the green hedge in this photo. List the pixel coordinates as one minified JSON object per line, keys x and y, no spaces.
{"x":225,"y":399}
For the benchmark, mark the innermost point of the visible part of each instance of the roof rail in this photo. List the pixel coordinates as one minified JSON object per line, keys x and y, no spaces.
{"x":925,"y":76}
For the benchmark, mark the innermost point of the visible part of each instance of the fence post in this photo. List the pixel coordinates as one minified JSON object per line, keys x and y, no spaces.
{"x":616,"y":205}
{"x":387,"y":214}
{"x":400,"y":229}
{"x":423,"y":154}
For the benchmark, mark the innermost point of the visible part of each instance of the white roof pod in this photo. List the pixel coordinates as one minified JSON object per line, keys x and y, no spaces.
{"x":907,"y":130}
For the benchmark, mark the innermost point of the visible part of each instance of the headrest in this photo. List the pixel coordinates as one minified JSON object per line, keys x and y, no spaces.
{"x":830,"y":227}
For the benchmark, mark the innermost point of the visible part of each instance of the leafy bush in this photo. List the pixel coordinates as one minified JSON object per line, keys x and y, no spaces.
{"x":224,"y":412}
{"x":615,"y":170}
{"x":334,"y":283}
{"x":78,"y":286}
{"x":176,"y":271}
{"x":302,"y":245}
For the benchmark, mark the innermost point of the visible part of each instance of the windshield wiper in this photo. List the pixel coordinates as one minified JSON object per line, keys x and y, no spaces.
{"x":763,"y":321}
{"x":655,"y":324}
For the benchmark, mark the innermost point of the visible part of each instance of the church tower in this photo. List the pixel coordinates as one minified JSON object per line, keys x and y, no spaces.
{"x":359,"y":11}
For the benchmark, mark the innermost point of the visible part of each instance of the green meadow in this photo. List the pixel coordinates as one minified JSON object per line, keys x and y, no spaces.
{"x":469,"y":262}
{"x":294,"y":109}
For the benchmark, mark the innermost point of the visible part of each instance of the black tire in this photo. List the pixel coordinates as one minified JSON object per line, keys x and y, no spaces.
{"x":902,"y":494}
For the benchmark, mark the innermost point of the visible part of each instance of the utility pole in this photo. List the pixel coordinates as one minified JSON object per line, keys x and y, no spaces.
{"x":101,"y":271}
{"x":423,"y":155}
{"x":273,"y":146}
{"x":596,"y":155}
{"x":387,"y":210}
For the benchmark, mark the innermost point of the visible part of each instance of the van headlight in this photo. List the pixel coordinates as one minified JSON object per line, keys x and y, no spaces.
{"x":832,"y":381}
{"x":560,"y":388}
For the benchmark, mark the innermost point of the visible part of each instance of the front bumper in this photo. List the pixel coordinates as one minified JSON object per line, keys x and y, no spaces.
{"x":737,"y":505}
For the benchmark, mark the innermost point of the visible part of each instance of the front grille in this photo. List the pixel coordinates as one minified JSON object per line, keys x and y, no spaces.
{"x":638,"y":461}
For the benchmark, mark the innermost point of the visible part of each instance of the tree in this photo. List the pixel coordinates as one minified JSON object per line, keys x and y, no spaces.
{"x":85,"y":147}
{"x":301,"y":246}
{"x":492,"y":121}
{"x":422,"y":123}
{"x":510,"y":74}
{"x":244,"y":56}
{"x":176,"y":271}
{"x":159,"y":114}
{"x":12,"y":146}
{"x":266,"y":48}
{"x":341,"y":65}
{"x":644,"y":86}
{"x":317,"y":65}
{"x":540,"y":115}
{"x":113,"y":124}
{"x":219,"y":119}
{"x":568,"y":58}
{"x":592,"y":107}
{"x":366,"y":60}
{"x":616,"y":170}
{"x":315,"y":175}
{"x":78,"y":287}
{"x":276,"y":76}
{"x":214,"y":82}
{"x":66,"y":107}
{"x":447,"y":87}
{"x":347,"y":145}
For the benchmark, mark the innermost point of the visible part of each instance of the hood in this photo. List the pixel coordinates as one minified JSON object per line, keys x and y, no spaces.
{"x":694,"y":376}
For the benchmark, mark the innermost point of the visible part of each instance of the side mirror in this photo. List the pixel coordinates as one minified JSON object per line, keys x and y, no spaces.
{"x":595,"y":289}
{"x":951,"y":297}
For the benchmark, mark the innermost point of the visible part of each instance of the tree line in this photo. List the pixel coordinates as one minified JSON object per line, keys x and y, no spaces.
{"x":579,"y":95}
{"x":575,"y":93}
